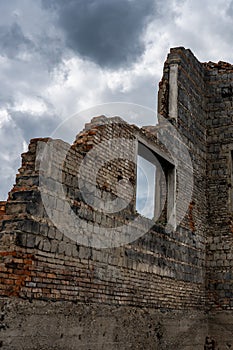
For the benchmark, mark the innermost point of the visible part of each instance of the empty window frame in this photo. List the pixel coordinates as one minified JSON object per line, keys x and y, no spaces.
{"x":155,"y":191}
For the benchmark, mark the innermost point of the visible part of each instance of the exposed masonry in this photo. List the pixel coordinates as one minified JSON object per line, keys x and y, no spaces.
{"x":169,"y":274}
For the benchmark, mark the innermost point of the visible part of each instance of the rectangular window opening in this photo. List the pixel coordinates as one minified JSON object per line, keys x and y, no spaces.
{"x":155,"y":191}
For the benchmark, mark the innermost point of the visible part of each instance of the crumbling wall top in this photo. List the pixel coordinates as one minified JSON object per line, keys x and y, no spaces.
{"x":220,"y":66}
{"x":2,"y":208}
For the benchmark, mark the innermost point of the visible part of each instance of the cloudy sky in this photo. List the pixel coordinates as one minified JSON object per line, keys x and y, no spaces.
{"x":59,"y":57}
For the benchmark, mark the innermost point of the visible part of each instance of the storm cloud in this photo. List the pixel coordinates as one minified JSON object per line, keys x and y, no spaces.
{"x":60,"y":57}
{"x":12,"y":40}
{"x":107,"y":32}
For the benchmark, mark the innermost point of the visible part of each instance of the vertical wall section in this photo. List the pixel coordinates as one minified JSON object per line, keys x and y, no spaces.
{"x":219,"y":82}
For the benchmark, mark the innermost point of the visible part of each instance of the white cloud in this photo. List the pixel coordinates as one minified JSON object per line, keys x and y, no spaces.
{"x":4,"y":117}
{"x":29,"y":104}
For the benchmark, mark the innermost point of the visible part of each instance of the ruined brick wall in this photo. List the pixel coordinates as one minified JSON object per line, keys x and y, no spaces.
{"x":219,"y":78}
{"x":190,"y":122}
{"x":166,"y":278}
{"x":204,"y":118}
{"x":158,"y":269}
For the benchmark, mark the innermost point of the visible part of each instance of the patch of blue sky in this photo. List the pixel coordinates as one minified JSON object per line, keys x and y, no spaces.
{"x":145,"y":196}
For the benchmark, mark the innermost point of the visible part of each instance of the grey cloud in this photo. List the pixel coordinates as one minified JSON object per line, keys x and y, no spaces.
{"x":31,"y":126}
{"x":13,"y":134}
{"x":50,"y":50}
{"x":229,"y":9}
{"x":144,"y":92}
{"x":11,"y":145}
{"x":12,"y":40}
{"x":29,"y":54}
{"x":27,"y":28}
{"x":107,"y":32}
